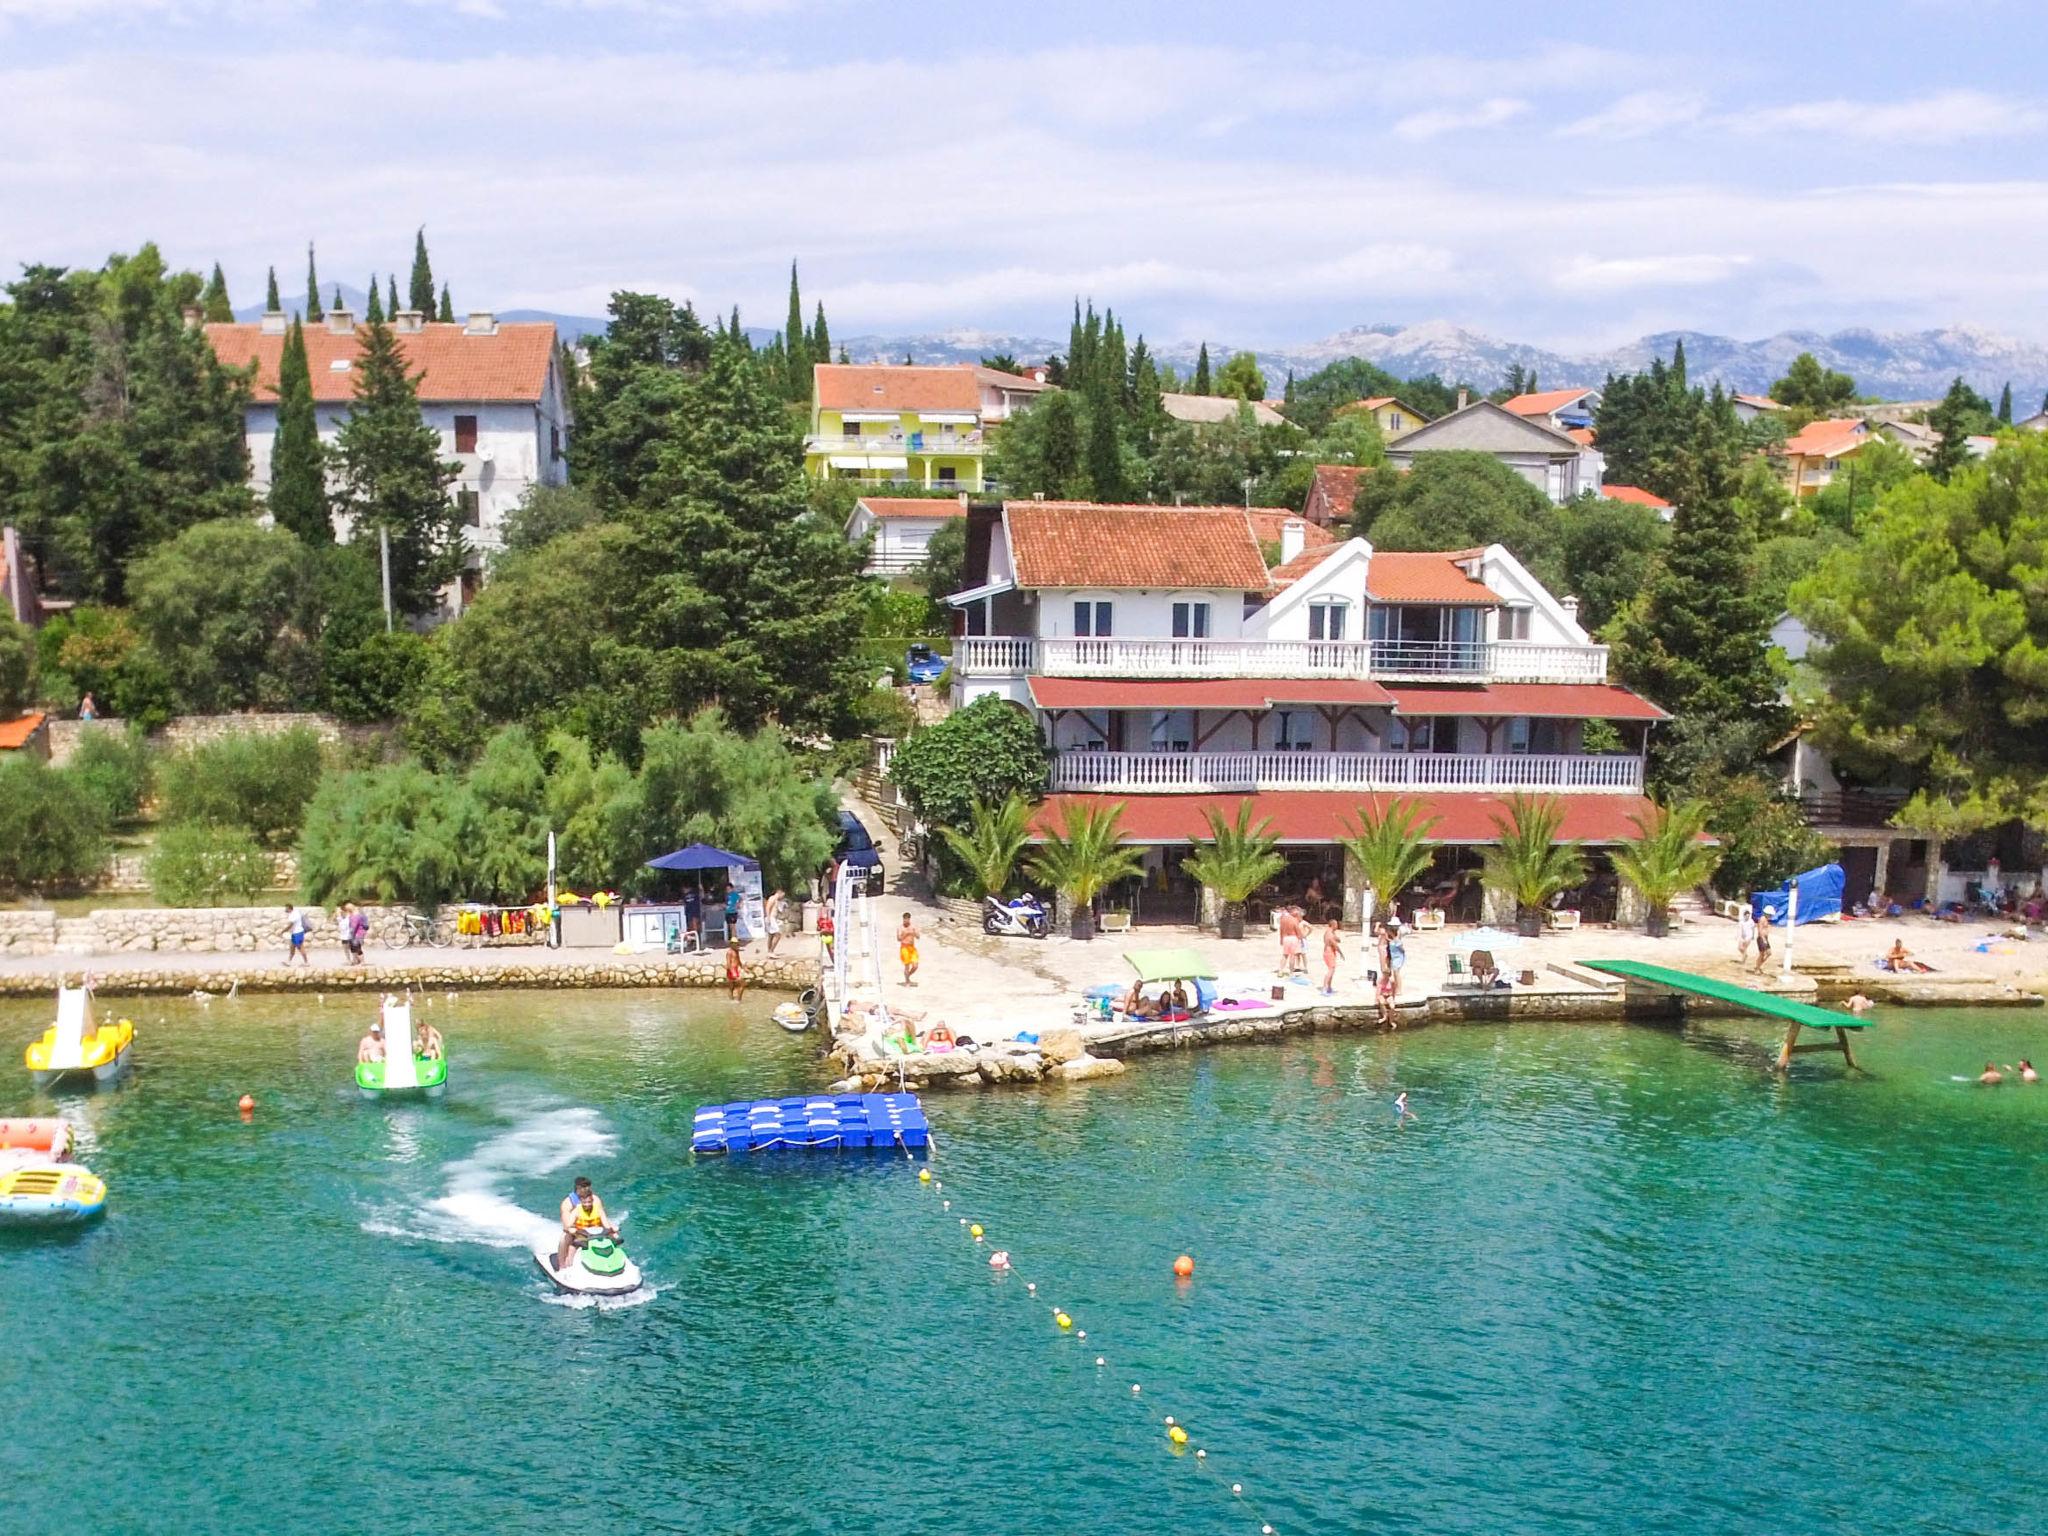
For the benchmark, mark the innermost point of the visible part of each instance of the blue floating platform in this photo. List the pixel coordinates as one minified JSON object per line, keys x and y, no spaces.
{"x":821,"y":1123}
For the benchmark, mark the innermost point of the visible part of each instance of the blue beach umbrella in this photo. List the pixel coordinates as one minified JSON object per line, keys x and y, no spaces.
{"x":702,"y":856}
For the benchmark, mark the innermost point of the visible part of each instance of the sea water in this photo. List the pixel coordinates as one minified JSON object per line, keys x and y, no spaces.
{"x":1607,"y":1278}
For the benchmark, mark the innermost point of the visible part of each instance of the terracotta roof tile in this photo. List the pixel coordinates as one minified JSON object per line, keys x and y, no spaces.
{"x":1636,"y":494}
{"x":1268,"y":524}
{"x":1090,"y":544}
{"x":15,"y":734}
{"x":1333,"y":491}
{"x":1583,"y":436}
{"x":1544,"y":401}
{"x":1825,"y":438}
{"x":896,"y":387}
{"x":453,"y":366}
{"x":1397,"y":576}
{"x":913,"y":506}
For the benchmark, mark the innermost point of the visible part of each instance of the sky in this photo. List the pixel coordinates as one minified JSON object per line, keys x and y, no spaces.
{"x":1267,"y":174}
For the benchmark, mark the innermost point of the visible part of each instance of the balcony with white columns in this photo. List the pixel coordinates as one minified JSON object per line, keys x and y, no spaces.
{"x":1475,"y":661}
{"x":1187,"y":773}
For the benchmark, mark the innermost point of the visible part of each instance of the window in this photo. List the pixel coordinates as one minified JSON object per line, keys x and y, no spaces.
{"x":1294,"y":730}
{"x":1190,"y":621}
{"x":849,"y":429}
{"x":1092,"y":619}
{"x":1410,"y":735}
{"x":1542,"y":737}
{"x":1514,"y":623}
{"x":471,"y":504}
{"x":1326,"y":619}
{"x":947,"y":475}
{"x":554,"y":445}
{"x":465,"y":434}
{"x":1173,"y":730}
{"x":1395,"y":421}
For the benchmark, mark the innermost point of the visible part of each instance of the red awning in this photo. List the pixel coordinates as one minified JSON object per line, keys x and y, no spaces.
{"x":1317,"y":816}
{"x":1205,"y":693}
{"x":1546,"y":701}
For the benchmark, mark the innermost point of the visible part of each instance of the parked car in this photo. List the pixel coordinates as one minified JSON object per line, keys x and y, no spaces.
{"x":857,"y":847}
{"x":922,"y":664}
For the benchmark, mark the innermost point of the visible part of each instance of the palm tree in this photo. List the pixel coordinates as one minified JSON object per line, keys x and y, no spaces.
{"x":1239,"y":859}
{"x":1084,"y":856}
{"x":1529,"y":861}
{"x":1391,"y":847}
{"x":1665,"y":857}
{"x":992,"y":843}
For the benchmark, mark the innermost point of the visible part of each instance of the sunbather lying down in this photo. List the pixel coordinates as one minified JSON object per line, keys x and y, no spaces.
{"x":1896,"y":959}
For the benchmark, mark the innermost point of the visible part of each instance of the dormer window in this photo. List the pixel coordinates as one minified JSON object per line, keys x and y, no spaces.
{"x":1326,"y":618}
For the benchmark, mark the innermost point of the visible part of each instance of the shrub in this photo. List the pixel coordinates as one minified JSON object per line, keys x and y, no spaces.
{"x":259,"y":782}
{"x":371,"y":680}
{"x":397,"y":833}
{"x":118,"y":767}
{"x":986,"y":752}
{"x":17,"y":666}
{"x":53,"y":835}
{"x":200,"y":864}
{"x":1764,"y":835}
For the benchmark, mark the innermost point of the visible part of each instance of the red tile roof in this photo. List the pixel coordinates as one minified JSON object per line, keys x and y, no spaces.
{"x":895,"y":387}
{"x":1583,"y":436}
{"x":1761,"y":402}
{"x":1288,"y":572}
{"x":1310,"y":816}
{"x":913,"y":506}
{"x":15,"y":734}
{"x":453,"y":366}
{"x":1207,"y":693}
{"x":1333,"y":491}
{"x":1543,"y":701}
{"x":1636,"y":494}
{"x":1090,"y":544}
{"x":1268,"y":523}
{"x":1397,"y":576}
{"x":1826,"y":438}
{"x":1544,"y":401}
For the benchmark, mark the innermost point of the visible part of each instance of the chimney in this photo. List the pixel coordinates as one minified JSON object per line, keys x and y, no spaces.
{"x":342,"y":322}
{"x":275,"y":322}
{"x":408,"y":322}
{"x":1293,"y":538}
{"x":195,"y":316}
{"x":1463,"y":397}
{"x":481,"y":323}
{"x":1571,"y":608}
{"x":963,"y":501}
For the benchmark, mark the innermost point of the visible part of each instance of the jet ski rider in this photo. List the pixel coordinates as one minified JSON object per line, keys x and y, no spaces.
{"x":583,"y":1218}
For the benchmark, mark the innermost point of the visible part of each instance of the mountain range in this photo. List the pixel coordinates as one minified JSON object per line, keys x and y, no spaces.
{"x":1892,"y":365}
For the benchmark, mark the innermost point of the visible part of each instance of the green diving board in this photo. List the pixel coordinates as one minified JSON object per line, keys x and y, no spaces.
{"x":1797,"y":1015}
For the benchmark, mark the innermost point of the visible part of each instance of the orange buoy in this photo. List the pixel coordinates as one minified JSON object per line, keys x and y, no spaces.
{"x":1183,"y":1266}
{"x":247,"y":1105}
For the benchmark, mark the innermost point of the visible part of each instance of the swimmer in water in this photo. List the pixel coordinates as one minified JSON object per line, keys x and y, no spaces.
{"x":1860,"y":1004}
{"x":1401,"y":1109}
{"x":1991,"y":1077}
{"x":2027,"y":1072}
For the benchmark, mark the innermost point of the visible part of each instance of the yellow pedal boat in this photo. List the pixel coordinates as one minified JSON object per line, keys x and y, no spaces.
{"x":74,"y":1047}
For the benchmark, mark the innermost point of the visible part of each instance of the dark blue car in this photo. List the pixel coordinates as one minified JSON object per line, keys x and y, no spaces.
{"x":922,"y":664}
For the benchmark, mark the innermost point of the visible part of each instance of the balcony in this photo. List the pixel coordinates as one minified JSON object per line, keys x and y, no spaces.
{"x":1194,"y":773}
{"x":1851,"y":807}
{"x":1476,"y":661}
{"x":971,"y":444}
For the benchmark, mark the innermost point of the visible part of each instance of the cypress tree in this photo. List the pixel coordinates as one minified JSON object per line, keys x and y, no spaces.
{"x":2004,"y":399}
{"x":420,"y":290}
{"x":313,"y":310}
{"x":375,"y":313}
{"x":821,"y":339}
{"x":393,"y":479}
{"x":272,"y":303}
{"x":1677,"y":368}
{"x":220,"y":312}
{"x":1287,"y":394}
{"x":447,"y":315}
{"x":298,"y":464}
{"x":845,"y":359}
{"x":1201,"y":385}
{"x":337,"y":297}
{"x":391,"y":296}
{"x":796,"y":354}
{"x":1105,"y":445}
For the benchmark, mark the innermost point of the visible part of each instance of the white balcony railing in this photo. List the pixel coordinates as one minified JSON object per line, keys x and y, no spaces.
{"x":1518,"y":661}
{"x":1138,"y":773}
{"x":897,"y":442}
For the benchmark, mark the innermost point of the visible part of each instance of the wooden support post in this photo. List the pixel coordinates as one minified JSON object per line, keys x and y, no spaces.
{"x":1843,"y":1036}
{"x":1791,"y":1046}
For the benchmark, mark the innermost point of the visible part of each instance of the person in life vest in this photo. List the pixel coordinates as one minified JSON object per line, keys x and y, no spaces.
{"x":583,"y":1218}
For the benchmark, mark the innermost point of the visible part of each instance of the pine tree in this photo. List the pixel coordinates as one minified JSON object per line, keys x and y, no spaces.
{"x":2004,"y":399}
{"x":1952,"y":419}
{"x":272,"y":303}
{"x":220,"y":312}
{"x":821,"y":339}
{"x":447,"y":314}
{"x":298,"y":464}
{"x":314,"y":312}
{"x":392,"y":478}
{"x":1201,"y":385}
{"x":374,"y":315}
{"x":796,"y":355}
{"x":420,"y":290}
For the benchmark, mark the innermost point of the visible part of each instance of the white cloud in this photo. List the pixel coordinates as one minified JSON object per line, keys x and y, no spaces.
{"x":1947,"y":117}
{"x":1589,"y":274}
{"x":1434,"y":123}
{"x":1638,"y":115}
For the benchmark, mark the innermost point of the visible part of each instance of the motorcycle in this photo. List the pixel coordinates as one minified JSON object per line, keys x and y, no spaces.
{"x":1023,"y":917}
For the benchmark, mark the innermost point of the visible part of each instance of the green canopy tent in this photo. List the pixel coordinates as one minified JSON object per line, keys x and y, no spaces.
{"x":1170,"y":965}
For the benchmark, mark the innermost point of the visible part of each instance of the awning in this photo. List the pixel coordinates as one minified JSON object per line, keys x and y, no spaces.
{"x":986,"y":590}
{"x":1321,"y":816}
{"x":1206,"y":693}
{"x":950,"y":418}
{"x":1543,"y":701}
{"x":869,"y":461}
{"x":703,"y":856}
{"x":1169,"y":965}
{"x":890,"y":416}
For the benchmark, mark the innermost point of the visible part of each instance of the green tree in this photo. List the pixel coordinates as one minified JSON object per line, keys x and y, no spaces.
{"x":1962,"y":412}
{"x":17,"y":666}
{"x":796,"y":349}
{"x":2004,"y":404}
{"x":447,"y":311}
{"x":1084,"y":855}
{"x":1763,"y":834}
{"x":314,"y":313}
{"x":821,"y":345}
{"x":1459,"y":500}
{"x":375,"y":676}
{"x":227,"y":609}
{"x":544,"y":514}
{"x":945,"y":560}
{"x":53,"y":833}
{"x":1529,"y":862}
{"x":1041,"y":452}
{"x":219,"y":310}
{"x":117,"y":767}
{"x":84,"y":651}
{"x":1809,"y":388}
{"x":1238,"y":859}
{"x":199,"y":864}
{"x":392,"y":479}
{"x":1864,"y":478}
{"x":272,"y":303}
{"x":1646,"y":424}
{"x":387,"y":834}
{"x":420,"y":287}
{"x":1201,"y":383}
{"x":1605,"y":552}
{"x":1107,"y":478}
{"x":1240,"y":376}
{"x":1390,"y":847}
{"x":261,"y":782}
{"x":298,"y":463}
{"x":637,"y":380}
{"x":992,"y":843}
{"x":373,"y":314}
{"x":391,"y":295}
{"x":984,"y":753}
{"x":1666,"y":856}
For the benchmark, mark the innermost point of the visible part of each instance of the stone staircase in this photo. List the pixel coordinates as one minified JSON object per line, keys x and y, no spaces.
{"x":76,"y":936}
{"x":1691,"y":908}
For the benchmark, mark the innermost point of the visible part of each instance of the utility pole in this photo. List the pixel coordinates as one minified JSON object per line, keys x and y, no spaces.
{"x":384,"y":556}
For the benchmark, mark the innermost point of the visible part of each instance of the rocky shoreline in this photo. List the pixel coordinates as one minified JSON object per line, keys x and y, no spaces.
{"x":787,"y":973}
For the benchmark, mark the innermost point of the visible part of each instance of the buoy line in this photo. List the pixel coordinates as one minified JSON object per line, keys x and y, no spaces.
{"x":1000,"y":1260}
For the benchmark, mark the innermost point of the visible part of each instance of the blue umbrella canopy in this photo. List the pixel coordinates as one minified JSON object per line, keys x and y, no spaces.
{"x":702,"y":856}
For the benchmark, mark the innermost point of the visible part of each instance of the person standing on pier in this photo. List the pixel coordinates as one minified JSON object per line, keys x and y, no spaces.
{"x":906,"y":949}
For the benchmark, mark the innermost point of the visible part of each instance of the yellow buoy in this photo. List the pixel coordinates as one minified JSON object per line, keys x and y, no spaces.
{"x":924,"y":1175}
{"x":1177,"y":1435}
{"x":1063,"y":1320}
{"x":975,"y":1230}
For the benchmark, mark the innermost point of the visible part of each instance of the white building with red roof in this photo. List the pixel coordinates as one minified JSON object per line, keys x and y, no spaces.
{"x":898,"y":529}
{"x":492,"y":389}
{"x":1171,"y":668}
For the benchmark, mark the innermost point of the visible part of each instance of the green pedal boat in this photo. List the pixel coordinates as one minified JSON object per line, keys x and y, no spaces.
{"x":404,"y":1072}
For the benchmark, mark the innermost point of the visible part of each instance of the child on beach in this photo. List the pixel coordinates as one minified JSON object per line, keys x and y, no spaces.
{"x":1763,"y":947}
{"x":1333,"y":951}
{"x":1745,"y":935}
{"x":735,"y":973}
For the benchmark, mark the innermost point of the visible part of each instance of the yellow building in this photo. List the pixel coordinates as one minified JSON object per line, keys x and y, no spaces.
{"x":1392,"y":416}
{"x":886,"y":424}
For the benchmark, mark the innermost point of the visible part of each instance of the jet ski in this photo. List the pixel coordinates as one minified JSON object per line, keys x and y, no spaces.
{"x":598,"y":1268}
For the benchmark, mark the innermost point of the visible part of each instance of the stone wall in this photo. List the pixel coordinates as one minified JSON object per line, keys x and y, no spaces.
{"x":130,"y":872}
{"x":197,"y":730}
{"x":27,"y":933}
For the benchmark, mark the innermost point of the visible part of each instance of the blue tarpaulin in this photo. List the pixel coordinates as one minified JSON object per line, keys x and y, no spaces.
{"x":1820,"y":896}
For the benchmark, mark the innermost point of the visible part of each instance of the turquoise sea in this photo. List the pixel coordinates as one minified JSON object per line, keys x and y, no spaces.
{"x":1611,"y":1278}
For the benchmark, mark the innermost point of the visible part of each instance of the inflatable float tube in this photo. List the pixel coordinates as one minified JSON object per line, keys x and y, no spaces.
{"x":49,"y":1194}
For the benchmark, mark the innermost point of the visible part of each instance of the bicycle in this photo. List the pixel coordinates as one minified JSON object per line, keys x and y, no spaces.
{"x":424,"y":931}
{"x":910,"y":849}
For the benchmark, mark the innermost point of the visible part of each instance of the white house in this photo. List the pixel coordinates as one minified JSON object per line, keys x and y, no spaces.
{"x":1170,"y":669}
{"x":494,"y":391}
{"x":1748,"y":408}
{"x":1552,"y":459}
{"x":902,"y":527}
{"x":1214,"y":410}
